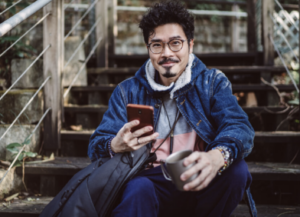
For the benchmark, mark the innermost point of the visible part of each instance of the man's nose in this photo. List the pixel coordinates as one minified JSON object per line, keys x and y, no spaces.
{"x":166,"y":52}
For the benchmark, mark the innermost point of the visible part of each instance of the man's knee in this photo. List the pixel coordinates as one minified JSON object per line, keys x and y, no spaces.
{"x":140,"y":186}
{"x":238,"y":176}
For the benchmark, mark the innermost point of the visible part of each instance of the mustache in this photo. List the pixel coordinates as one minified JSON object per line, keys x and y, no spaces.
{"x":168,"y":60}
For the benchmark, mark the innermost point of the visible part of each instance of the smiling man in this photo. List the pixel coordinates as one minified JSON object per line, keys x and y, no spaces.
{"x":194,"y":101}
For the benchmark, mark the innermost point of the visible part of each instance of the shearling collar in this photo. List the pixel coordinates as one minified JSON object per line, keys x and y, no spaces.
{"x":183,"y":79}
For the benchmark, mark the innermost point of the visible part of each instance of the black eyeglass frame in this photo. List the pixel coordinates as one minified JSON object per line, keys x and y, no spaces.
{"x":148,"y":45}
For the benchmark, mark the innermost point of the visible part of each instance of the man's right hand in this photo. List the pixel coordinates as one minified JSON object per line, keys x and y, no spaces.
{"x":126,"y":141}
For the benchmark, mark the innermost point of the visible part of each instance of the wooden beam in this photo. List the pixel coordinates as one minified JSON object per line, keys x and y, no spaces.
{"x":251,"y":26}
{"x":101,"y":31}
{"x":267,"y":23}
{"x":112,"y":27}
{"x":53,"y":62}
{"x":235,"y":30}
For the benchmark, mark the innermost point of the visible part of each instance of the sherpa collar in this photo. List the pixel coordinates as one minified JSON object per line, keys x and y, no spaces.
{"x":183,"y":79}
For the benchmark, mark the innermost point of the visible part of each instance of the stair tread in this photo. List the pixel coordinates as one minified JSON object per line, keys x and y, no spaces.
{"x":103,"y":108}
{"x":71,"y":165}
{"x":235,"y":87}
{"x":34,"y":208}
{"x":225,"y":69}
{"x":260,"y":136}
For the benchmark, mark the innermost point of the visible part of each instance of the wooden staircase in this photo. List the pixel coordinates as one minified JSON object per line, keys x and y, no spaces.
{"x":267,"y":170}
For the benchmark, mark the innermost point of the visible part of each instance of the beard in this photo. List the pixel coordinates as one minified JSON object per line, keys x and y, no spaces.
{"x":168,"y":73}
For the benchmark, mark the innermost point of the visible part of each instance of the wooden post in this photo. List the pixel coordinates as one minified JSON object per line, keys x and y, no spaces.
{"x":267,"y":10}
{"x":101,"y":31}
{"x":112,"y":28}
{"x":251,"y":26}
{"x":235,"y":30}
{"x":53,"y":61}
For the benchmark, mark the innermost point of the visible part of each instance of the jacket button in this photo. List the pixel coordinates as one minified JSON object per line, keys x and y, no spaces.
{"x":156,"y":106}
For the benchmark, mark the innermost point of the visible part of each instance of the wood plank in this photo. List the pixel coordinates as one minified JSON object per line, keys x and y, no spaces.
{"x":226,"y":69}
{"x":53,"y":63}
{"x":25,"y":208}
{"x":103,"y":108}
{"x":251,"y":26}
{"x":268,"y":28}
{"x":71,"y":165}
{"x":235,"y":87}
{"x":261,"y":137}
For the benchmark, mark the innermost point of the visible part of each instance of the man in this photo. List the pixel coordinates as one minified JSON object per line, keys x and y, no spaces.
{"x":207,"y":118}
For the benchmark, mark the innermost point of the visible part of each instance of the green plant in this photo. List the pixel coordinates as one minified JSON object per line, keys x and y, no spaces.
{"x":14,"y":149}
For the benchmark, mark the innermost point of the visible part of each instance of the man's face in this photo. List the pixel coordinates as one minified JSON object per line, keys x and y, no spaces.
{"x":168,"y":63}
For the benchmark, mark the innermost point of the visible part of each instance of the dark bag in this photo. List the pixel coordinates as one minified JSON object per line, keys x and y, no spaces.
{"x":93,"y":190}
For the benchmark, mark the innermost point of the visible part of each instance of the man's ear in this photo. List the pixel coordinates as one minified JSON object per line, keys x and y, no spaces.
{"x":191,"y":45}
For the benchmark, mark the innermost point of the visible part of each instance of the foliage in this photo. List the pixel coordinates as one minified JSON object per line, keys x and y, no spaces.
{"x":14,"y":149}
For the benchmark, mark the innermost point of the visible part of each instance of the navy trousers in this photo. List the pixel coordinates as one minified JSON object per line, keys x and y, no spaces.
{"x":149,"y":194}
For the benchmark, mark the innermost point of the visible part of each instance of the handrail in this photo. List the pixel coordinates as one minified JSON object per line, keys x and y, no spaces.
{"x":25,"y":107}
{"x":20,"y":151}
{"x":288,"y":16}
{"x":196,"y":12}
{"x":29,"y":67}
{"x":18,"y":18}
{"x":82,"y":42}
{"x":13,"y":5}
{"x":285,"y":66}
{"x":41,"y":20}
{"x":284,"y":38}
{"x":83,"y":16}
{"x":82,"y":67}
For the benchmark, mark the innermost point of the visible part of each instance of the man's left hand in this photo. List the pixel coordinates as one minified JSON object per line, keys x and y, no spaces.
{"x":207,"y":163}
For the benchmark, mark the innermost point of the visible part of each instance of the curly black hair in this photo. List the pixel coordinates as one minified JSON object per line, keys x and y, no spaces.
{"x":164,"y":13}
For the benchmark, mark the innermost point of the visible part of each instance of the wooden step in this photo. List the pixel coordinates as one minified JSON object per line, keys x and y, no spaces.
{"x":103,"y":108}
{"x":127,"y":71}
{"x":210,"y":59}
{"x":260,"y":137}
{"x":33,"y":208}
{"x":235,"y":88}
{"x":71,"y":165}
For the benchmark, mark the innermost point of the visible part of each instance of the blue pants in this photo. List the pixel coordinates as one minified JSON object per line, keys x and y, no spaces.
{"x":149,"y":194}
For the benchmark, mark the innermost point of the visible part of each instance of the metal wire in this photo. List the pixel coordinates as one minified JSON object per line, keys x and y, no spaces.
{"x":41,"y":20}
{"x":284,"y":38}
{"x":20,"y":151}
{"x":82,"y":42}
{"x":285,"y":66}
{"x":82,"y":67}
{"x":68,"y":5}
{"x":287,"y":15}
{"x":36,"y":59}
{"x":25,"y":107}
{"x":15,"y":20}
{"x":10,"y":7}
{"x":79,"y":21}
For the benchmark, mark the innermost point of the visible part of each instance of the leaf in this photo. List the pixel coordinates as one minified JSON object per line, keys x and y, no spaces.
{"x":294,"y":102}
{"x":13,"y":150}
{"x":20,"y":54}
{"x":27,"y":141}
{"x":13,"y":145}
{"x":30,"y":154}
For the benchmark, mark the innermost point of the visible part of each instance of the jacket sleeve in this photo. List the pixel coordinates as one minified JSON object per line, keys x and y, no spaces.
{"x":113,"y":120}
{"x":233,"y":128}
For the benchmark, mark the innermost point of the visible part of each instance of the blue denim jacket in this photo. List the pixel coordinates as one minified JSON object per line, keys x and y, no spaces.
{"x":206,"y":103}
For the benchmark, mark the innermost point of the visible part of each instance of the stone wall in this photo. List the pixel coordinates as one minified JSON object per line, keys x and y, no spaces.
{"x":210,"y":36}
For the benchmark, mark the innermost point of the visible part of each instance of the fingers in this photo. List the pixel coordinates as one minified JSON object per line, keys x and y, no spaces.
{"x":200,"y":182}
{"x":127,"y":127}
{"x":137,"y":143}
{"x":141,"y":131}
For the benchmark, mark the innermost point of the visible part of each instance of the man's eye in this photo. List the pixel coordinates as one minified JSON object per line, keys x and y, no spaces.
{"x":176,"y":42}
{"x":156,"y":45}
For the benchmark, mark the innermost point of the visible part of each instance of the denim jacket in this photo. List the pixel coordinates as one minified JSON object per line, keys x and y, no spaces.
{"x":206,"y":103}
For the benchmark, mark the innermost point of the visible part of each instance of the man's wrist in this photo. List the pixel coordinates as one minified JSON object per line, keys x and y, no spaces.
{"x":110,"y":147}
{"x":226,"y":155}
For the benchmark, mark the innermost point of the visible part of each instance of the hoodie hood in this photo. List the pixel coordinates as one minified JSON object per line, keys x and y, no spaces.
{"x":146,"y":76}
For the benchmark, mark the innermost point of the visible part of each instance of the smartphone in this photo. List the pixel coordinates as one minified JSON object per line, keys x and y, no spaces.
{"x":142,"y":113}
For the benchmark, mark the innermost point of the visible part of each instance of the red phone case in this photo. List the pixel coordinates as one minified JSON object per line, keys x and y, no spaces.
{"x":143,"y":113}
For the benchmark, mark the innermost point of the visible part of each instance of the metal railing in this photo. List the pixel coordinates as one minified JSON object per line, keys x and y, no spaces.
{"x":51,"y":11}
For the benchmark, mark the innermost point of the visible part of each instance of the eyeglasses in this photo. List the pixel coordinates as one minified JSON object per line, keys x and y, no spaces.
{"x":174,"y":45}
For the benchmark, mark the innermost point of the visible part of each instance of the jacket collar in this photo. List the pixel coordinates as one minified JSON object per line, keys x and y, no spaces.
{"x":146,"y":76}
